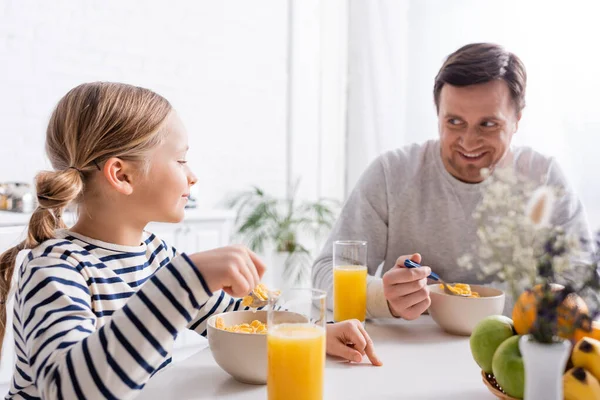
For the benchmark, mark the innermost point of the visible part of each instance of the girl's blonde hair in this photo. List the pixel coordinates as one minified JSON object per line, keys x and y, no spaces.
{"x":91,"y":123}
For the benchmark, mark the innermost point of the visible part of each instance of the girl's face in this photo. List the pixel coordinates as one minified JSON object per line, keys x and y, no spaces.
{"x":161,"y":194}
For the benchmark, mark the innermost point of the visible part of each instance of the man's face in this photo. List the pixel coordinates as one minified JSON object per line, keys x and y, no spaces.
{"x":476,"y":124}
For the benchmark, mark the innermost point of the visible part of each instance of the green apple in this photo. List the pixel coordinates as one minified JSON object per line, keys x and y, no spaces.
{"x":487,"y":335}
{"x":508,"y":368}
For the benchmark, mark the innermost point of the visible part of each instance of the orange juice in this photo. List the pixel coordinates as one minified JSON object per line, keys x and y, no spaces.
{"x":349,"y":292}
{"x":296,"y":362}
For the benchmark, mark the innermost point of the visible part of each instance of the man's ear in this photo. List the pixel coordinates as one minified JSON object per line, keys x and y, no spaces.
{"x":519,"y":115}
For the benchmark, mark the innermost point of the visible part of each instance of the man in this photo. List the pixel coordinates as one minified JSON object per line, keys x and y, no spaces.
{"x":418,"y":201}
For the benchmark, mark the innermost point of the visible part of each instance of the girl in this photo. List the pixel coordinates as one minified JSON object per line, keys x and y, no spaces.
{"x":98,"y":306}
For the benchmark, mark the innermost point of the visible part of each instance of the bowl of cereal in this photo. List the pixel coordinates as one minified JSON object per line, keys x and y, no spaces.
{"x":238,"y":343}
{"x":458,"y":315}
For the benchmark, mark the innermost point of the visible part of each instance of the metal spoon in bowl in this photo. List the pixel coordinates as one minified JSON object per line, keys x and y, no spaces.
{"x":447,"y":287}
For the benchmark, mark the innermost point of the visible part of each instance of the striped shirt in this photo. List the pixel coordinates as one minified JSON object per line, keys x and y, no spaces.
{"x":97,"y":320}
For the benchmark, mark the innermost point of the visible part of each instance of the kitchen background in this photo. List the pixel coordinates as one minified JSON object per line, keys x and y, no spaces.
{"x":273,"y":91}
{"x":278,"y":91}
{"x":224,"y":66}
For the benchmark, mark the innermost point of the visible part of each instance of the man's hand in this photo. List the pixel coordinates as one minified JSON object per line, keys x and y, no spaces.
{"x":406,"y":288}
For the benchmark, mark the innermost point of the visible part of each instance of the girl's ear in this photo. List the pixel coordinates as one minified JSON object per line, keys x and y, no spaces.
{"x":119,"y":174}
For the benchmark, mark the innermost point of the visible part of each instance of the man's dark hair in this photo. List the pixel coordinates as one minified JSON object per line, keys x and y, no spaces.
{"x":480,"y":63}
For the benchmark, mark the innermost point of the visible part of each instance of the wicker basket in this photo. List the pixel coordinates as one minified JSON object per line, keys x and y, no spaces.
{"x":493,"y":386}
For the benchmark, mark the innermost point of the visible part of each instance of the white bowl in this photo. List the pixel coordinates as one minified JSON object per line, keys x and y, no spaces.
{"x":459,"y":315}
{"x":243,"y":355}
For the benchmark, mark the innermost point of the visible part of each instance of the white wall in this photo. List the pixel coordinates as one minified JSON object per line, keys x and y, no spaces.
{"x":377,"y":77}
{"x":221,"y":63}
{"x":317,"y":121}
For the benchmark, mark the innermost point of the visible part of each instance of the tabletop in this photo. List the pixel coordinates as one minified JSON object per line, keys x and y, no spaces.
{"x":420,"y":362}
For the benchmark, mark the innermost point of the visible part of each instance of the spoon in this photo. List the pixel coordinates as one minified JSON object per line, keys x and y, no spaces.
{"x":256,"y":301}
{"x":435,"y":277}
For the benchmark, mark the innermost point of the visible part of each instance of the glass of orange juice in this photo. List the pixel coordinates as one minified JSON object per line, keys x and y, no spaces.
{"x":349,"y":280}
{"x":296,"y":321}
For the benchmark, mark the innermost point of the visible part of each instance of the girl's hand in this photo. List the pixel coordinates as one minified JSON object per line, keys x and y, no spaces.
{"x":350,"y":340}
{"x":235,"y":269}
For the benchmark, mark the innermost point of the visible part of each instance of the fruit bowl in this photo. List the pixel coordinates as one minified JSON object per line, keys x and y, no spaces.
{"x":493,"y":386}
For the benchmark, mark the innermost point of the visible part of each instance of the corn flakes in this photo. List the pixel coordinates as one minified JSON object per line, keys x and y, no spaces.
{"x":255,"y":326}
{"x":260,"y":292}
{"x":461,"y":289}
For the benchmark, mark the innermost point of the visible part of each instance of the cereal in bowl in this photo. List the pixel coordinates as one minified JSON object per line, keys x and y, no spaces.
{"x":462,"y":289}
{"x":254,"y":327}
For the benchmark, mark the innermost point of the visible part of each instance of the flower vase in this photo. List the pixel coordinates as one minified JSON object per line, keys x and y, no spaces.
{"x":544,"y":367}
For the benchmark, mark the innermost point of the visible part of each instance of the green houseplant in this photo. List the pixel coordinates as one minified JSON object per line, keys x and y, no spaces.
{"x":282,"y":225}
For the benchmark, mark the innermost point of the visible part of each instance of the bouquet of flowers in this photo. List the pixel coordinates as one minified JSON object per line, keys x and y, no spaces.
{"x":518,"y":244}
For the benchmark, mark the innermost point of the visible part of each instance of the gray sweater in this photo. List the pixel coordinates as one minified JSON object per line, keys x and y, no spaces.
{"x":407,"y":202}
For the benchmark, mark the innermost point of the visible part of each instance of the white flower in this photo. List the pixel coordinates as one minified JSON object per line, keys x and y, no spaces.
{"x":561,"y":264}
{"x":485,"y":252}
{"x":496,"y":266}
{"x":513,"y":226}
{"x":466,"y":261}
{"x":540,"y":206}
{"x":573,"y":242}
{"x":507,"y":176}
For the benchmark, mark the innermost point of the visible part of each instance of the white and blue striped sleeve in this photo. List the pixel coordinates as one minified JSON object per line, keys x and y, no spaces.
{"x":220,"y":302}
{"x":72,"y":358}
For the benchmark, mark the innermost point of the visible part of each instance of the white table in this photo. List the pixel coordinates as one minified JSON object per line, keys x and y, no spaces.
{"x":420,"y":362}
